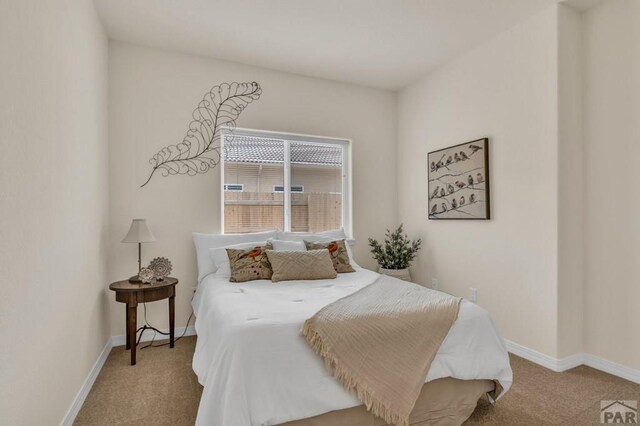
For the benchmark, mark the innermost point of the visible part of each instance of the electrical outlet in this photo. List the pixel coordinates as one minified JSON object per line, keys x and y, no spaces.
{"x":474,"y":294}
{"x":434,"y":284}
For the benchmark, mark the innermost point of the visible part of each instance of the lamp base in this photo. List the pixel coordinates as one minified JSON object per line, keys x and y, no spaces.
{"x":135,"y":279}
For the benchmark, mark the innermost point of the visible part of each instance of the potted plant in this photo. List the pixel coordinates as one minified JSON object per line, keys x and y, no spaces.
{"x":396,"y":254}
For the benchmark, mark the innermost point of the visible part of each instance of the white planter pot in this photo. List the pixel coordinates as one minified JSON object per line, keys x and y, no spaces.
{"x":402,"y":274}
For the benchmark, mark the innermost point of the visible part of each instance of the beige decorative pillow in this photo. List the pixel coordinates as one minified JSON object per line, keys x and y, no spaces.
{"x":249,"y":264}
{"x":337,"y":250}
{"x":301,"y":265}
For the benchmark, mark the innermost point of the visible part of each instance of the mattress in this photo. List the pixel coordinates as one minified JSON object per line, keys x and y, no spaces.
{"x":257,"y":369}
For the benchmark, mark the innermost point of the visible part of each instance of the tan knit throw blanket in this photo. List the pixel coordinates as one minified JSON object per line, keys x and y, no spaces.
{"x":381,"y":340}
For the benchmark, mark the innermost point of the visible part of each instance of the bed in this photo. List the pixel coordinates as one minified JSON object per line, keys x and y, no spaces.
{"x":257,"y":369}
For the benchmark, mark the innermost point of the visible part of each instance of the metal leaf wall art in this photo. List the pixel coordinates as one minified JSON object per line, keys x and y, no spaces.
{"x":199,"y":151}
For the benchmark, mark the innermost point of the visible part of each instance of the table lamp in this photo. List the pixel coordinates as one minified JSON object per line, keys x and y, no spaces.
{"x":139,"y":233}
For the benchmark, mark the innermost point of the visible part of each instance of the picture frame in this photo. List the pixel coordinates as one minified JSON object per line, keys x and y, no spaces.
{"x":458,"y":182}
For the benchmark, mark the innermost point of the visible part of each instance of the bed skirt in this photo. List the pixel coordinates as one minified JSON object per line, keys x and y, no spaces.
{"x":442,"y":402}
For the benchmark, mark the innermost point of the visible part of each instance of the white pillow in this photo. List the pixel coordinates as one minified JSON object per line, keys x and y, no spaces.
{"x":320,"y":237}
{"x":284,"y":245}
{"x":324,"y":236}
{"x":350,"y":253}
{"x":224,"y":270}
{"x":221,"y":259}
{"x":204,"y":242}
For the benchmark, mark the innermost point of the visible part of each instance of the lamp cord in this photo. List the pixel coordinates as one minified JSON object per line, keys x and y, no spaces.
{"x":148,"y":326}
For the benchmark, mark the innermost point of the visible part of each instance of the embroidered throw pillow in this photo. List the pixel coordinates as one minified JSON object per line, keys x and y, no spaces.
{"x":337,"y":250}
{"x":301,"y":265}
{"x":249,"y":264}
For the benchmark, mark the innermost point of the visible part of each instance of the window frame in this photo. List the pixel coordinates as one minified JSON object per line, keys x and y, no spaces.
{"x":344,"y":143}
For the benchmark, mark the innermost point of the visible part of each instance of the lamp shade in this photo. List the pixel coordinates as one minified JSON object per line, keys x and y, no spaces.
{"x":139,"y":232}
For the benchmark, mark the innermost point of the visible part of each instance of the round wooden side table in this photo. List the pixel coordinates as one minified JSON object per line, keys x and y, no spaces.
{"x":134,"y":293}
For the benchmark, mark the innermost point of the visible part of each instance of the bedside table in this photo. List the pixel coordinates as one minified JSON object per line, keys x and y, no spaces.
{"x":134,"y":293}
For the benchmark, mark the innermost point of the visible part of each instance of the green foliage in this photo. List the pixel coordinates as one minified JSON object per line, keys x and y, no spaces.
{"x":397,"y":252}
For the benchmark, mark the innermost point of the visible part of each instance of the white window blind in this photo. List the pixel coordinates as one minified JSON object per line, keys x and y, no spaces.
{"x":266,"y":164}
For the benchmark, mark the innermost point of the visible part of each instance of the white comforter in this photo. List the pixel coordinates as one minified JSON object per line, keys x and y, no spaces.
{"x":257,"y":369}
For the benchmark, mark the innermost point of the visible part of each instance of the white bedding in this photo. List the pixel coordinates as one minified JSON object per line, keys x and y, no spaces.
{"x":257,"y":369}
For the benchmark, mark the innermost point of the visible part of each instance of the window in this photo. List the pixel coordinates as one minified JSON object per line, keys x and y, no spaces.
{"x":234,"y":187}
{"x":294,"y":188}
{"x":264,"y":164}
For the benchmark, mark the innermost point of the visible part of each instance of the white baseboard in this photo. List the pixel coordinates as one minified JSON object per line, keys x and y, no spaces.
{"x":610,"y":367}
{"x":573,"y":361}
{"x":113,"y":341}
{"x":71,"y":414}
{"x":532,"y":355}
{"x":121,"y":339}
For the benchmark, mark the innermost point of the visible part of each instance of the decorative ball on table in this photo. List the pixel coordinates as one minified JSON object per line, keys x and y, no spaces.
{"x":146,"y":275}
{"x":161,"y":267}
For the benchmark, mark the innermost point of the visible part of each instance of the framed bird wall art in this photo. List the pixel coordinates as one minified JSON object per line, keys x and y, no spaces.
{"x":459,"y":181}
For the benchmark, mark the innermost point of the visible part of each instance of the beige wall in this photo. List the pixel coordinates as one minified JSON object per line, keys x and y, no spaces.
{"x":505,"y":90}
{"x":612,"y":135}
{"x":558,"y":96}
{"x":152,"y":95}
{"x":571,"y":186}
{"x":53,"y":200}
{"x":555,"y":266}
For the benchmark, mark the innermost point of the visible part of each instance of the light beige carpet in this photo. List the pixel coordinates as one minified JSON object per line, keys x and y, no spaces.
{"x":163,"y":390}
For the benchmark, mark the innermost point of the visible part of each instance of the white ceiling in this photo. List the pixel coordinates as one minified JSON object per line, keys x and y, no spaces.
{"x":378,"y":43}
